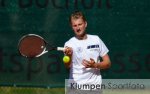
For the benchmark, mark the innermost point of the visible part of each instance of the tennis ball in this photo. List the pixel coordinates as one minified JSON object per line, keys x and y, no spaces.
{"x":66,"y":59}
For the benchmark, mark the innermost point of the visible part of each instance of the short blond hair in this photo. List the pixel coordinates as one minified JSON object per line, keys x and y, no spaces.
{"x":77,"y":15}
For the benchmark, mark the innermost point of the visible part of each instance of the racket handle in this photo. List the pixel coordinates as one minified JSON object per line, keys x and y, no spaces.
{"x":60,"y":48}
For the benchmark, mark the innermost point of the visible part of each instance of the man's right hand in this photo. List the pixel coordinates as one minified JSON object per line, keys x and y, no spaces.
{"x":68,"y":51}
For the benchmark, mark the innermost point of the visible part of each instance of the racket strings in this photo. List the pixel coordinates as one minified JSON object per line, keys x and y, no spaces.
{"x":31,"y":46}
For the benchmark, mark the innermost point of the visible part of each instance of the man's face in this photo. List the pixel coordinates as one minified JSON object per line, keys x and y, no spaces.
{"x":79,"y":26}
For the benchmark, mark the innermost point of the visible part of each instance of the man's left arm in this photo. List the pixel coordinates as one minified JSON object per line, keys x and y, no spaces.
{"x":104,"y":64}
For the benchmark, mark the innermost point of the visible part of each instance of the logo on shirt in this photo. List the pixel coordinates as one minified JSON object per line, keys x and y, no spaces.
{"x":79,"y":49}
{"x":92,"y":46}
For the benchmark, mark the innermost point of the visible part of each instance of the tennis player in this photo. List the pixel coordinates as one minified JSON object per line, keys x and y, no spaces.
{"x":85,"y":51}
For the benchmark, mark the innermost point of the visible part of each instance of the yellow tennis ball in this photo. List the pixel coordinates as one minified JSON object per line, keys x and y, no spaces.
{"x":66,"y":59}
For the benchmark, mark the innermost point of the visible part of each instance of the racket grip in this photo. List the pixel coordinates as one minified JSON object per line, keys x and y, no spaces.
{"x":60,"y":48}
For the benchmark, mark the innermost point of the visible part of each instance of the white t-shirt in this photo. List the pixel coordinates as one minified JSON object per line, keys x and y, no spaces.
{"x":92,"y":47}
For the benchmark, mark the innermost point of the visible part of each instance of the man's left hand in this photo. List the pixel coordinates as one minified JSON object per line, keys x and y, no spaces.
{"x":89,"y":64}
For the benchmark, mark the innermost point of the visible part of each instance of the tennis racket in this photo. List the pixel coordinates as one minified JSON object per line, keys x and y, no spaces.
{"x":33,"y":45}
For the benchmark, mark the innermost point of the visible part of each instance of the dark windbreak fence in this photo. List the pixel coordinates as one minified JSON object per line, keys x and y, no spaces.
{"x":122,"y":24}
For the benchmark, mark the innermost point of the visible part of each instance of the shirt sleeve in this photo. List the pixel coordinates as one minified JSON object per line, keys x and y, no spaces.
{"x":67,"y":44}
{"x":103,"y":49}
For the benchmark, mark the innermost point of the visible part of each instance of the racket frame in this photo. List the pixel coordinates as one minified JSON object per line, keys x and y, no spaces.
{"x":45,"y":50}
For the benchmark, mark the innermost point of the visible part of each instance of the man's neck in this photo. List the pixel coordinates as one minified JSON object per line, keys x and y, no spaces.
{"x":82,"y":37}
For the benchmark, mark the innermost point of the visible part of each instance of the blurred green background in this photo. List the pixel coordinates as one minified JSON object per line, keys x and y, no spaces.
{"x":123,"y":25}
